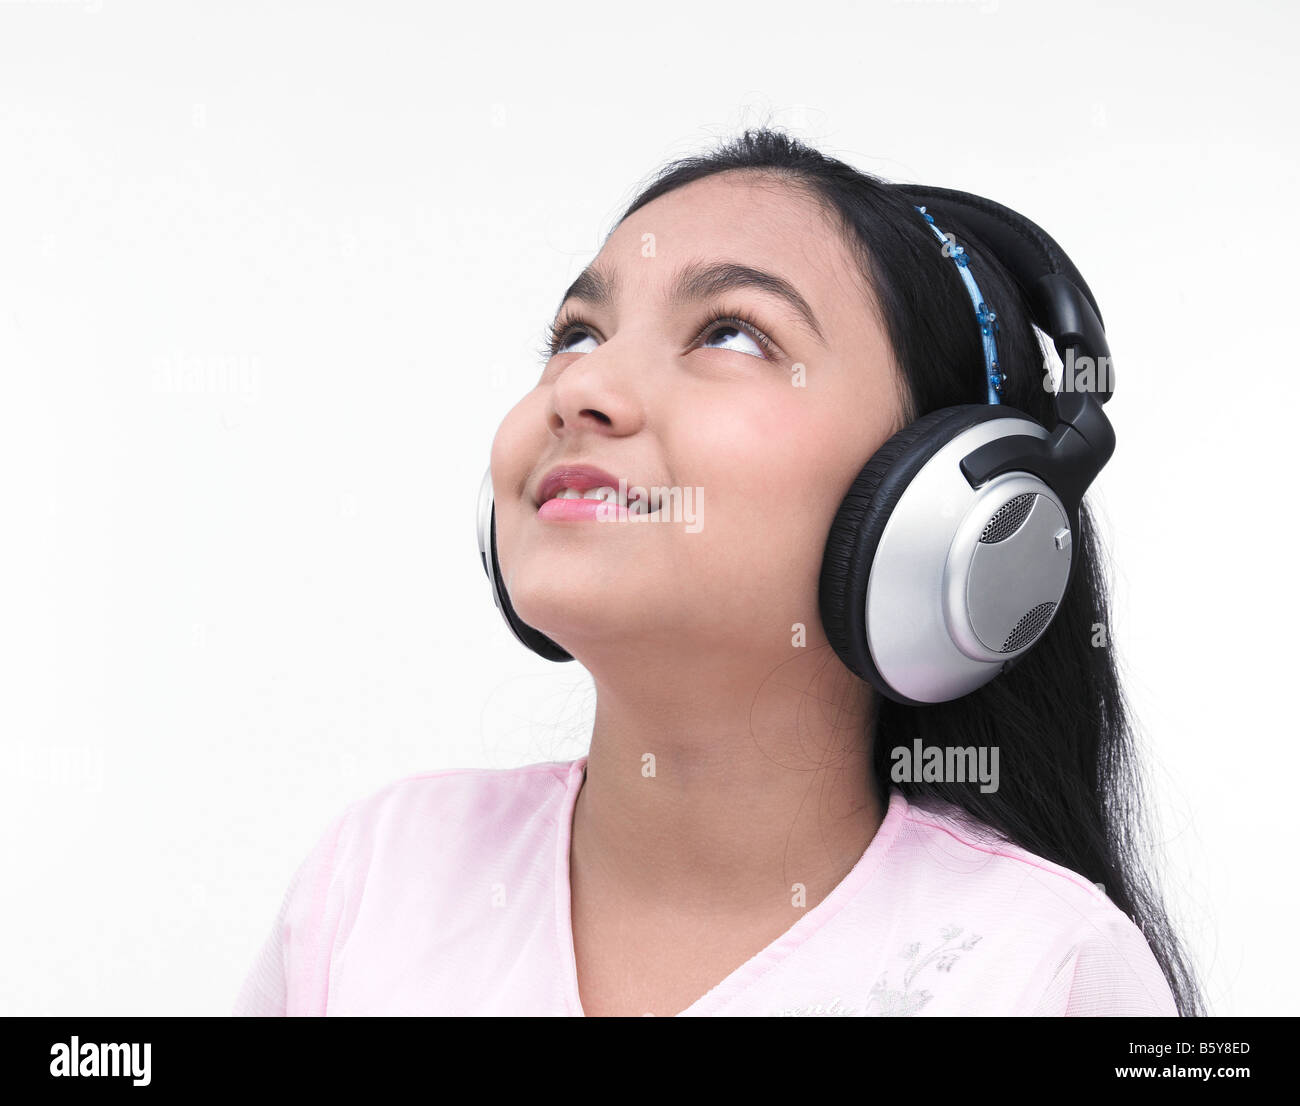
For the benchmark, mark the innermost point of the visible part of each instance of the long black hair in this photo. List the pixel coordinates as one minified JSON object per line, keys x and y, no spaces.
{"x":1074,"y":794}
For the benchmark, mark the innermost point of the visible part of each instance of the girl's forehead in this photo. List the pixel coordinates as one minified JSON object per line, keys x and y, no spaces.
{"x":765,"y":223}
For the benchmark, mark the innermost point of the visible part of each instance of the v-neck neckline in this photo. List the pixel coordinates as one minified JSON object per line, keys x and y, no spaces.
{"x":762,"y":961}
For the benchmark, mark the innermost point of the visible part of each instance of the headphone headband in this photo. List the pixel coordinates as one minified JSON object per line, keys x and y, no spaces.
{"x":1060,"y":300}
{"x":987,"y":318}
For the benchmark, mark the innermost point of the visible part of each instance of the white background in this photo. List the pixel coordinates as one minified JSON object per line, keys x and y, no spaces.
{"x":271,"y":275}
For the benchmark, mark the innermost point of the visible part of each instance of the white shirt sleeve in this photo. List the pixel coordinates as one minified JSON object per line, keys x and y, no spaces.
{"x":290,"y":974}
{"x":1108,"y":970}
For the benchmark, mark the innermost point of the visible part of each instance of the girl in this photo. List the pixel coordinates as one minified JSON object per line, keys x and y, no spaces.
{"x":751,"y":831}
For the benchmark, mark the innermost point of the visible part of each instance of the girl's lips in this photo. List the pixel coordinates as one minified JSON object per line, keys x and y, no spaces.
{"x":605,"y":507}
{"x":579,"y":477}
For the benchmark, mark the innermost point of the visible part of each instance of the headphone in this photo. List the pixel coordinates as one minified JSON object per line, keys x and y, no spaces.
{"x":951,"y":552}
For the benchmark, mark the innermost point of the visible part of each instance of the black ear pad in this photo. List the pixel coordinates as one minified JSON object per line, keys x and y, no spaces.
{"x":538,"y":642}
{"x":861,"y":519}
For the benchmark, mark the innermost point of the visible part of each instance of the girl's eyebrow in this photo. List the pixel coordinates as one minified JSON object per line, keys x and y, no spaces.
{"x":593,"y":286}
{"x":699,"y":280}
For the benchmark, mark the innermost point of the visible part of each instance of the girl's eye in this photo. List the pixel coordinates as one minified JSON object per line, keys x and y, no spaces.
{"x":571,"y":341}
{"x":725,"y":330}
{"x":731,"y":331}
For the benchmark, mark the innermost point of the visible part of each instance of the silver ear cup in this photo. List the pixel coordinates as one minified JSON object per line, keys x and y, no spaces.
{"x":485,"y":551}
{"x":526,"y":635}
{"x":484,"y":519}
{"x":945,"y":610}
{"x":1007,"y":568}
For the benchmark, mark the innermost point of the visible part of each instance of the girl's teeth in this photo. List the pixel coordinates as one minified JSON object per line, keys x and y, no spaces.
{"x":606,"y":495}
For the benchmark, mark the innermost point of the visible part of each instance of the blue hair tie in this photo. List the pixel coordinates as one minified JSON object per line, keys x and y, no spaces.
{"x":987,"y":319}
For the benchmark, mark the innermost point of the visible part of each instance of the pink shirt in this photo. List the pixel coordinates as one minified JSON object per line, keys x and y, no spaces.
{"x":448,"y":893}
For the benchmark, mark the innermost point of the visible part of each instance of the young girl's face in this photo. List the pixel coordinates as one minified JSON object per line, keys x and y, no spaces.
{"x":728,"y":350}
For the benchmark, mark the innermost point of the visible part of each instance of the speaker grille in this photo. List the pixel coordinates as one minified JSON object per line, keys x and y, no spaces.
{"x":1028,"y":627}
{"x":1009,"y":518}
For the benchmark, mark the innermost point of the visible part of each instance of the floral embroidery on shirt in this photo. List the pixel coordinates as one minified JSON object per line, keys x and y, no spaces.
{"x":905,"y":1002}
